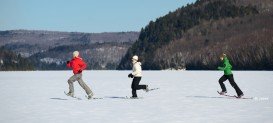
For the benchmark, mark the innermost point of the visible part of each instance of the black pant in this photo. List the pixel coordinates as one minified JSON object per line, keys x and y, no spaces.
{"x":135,"y":86}
{"x":231,"y":81}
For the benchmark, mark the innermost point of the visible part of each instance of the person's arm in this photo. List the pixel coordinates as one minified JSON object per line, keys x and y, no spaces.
{"x":83,"y":65}
{"x":222,"y":68}
{"x":68,"y":64}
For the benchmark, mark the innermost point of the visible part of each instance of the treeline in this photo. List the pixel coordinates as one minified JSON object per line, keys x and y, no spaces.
{"x":173,"y":26}
{"x":9,"y":61}
{"x":49,"y":50}
{"x":247,"y":41}
{"x":98,"y":56}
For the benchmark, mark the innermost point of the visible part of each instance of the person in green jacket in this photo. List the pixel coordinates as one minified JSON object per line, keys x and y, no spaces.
{"x":228,"y":76}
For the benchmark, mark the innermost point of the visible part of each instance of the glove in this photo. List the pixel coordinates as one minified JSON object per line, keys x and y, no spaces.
{"x":131,"y":75}
{"x":80,"y":71}
{"x":67,"y":62}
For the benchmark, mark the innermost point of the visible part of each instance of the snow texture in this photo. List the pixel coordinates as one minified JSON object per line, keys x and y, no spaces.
{"x":184,"y":96}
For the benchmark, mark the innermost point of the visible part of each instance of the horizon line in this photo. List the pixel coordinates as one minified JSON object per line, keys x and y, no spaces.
{"x":41,"y":30}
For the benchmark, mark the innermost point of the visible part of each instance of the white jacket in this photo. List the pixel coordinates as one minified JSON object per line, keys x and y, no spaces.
{"x":137,"y":70}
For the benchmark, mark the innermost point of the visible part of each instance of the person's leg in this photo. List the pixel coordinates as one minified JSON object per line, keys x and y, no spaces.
{"x":137,"y":86}
{"x":134,"y":94}
{"x":234,"y":85}
{"x":70,"y":83}
{"x":83,"y":85}
{"x":134,"y":86}
{"x":221,"y":82}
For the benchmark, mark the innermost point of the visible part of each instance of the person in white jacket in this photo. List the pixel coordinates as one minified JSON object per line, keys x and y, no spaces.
{"x":136,"y":75}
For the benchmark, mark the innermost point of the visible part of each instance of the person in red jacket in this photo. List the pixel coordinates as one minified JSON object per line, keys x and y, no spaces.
{"x":78,"y":65}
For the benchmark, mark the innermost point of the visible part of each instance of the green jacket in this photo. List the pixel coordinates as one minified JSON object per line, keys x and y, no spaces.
{"x":227,"y":67}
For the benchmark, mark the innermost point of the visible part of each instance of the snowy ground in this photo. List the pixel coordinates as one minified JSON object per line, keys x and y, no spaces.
{"x":184,"y":96}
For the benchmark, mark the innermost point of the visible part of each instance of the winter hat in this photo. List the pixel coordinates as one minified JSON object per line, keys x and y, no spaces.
{"x":76,"y":54}
{"x":223,"y":55}
{"x":135,"y":57}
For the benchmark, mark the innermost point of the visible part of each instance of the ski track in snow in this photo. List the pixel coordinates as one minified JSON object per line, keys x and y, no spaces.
{"x":184,"y":96}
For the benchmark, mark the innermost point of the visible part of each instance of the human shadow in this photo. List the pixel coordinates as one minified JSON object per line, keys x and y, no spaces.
{"x":58,"y":98}
{"x":208,"y":97}
{"x":116,"y":97}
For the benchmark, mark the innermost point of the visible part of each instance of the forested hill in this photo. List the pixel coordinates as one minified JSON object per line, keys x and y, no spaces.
{"x":11,"y":61}
{"x":49,"y":50}
{"x":194,"y":36}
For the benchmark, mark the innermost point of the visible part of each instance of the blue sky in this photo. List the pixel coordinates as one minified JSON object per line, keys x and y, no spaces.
{"x":83,"y":15}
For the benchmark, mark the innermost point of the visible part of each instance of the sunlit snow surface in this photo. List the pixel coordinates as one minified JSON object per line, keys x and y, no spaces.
{"x":184,"y":96}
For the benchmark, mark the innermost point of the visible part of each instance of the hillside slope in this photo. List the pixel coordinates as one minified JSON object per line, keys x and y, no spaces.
{"x":49,"y":50}
{"x":10,"y":61}
{"x":193,"y":36}
{"x":248,"y":42}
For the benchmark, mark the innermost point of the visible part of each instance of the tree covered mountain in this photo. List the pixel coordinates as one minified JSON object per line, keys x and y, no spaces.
{"x":49,"y":50}
{"x":11,"y":61}
{"x":98,"y":56}
{"x":193,"y":36}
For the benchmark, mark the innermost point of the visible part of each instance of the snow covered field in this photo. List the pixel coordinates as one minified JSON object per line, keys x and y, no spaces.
{"x":184,"y":96}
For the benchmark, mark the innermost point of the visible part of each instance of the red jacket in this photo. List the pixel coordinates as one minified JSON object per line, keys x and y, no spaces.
{"x":77,"y":64}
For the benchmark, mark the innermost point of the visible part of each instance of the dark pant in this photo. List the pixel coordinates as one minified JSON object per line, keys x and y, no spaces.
{"x":135,"y":86}
{"x":231,"y":81}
